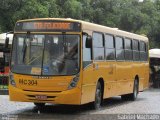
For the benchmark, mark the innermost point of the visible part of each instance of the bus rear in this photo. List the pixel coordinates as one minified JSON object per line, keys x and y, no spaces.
{"x":46,"y":62}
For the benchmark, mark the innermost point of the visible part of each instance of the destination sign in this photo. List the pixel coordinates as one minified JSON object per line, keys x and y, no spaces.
{"x":51,"y":25}
{"x":48,"y":26}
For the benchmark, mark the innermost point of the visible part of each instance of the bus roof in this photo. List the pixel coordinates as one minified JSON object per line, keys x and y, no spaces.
{"x":154,"y":53}
{"x":99,"y":28}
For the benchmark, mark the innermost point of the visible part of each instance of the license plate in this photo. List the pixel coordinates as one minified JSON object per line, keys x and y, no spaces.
{"x":41,"y":97}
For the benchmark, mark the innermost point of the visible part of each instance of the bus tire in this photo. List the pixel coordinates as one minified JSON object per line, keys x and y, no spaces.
{"x":98,"y":97}
{"x":39,"y":105}
{"x":132,"y":96}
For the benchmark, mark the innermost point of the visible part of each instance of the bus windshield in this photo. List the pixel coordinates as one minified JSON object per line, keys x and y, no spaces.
{"x":45,"y":54}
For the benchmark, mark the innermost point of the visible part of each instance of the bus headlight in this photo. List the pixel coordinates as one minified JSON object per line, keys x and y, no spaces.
{"x":74,"y":82}
{"x":11,"y":79}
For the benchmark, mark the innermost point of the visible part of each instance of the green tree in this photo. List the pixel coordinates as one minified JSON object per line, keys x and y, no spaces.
{"x":129,"y":15}
{"x":51,"y":6}
{"x":7,"y":9}
{"x":72,"y":9}
{"x":13,"y":10}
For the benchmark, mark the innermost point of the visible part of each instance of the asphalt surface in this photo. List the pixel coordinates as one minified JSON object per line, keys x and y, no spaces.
{"x":148,"y":103}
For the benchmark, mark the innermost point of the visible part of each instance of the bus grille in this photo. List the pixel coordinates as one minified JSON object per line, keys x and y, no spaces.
{"x":42,"y":91}
{"x":33,"y":96}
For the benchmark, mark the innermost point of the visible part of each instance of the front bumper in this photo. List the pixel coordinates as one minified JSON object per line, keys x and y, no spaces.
{"x":72,"y":96}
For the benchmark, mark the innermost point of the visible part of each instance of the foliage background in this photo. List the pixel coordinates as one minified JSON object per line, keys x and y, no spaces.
{"x":129,"y":15}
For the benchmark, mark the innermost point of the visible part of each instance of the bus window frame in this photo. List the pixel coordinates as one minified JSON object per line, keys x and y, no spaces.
{"x":144,"y":52}
{"x":98,"y":47}
{"x":119,"y":49}
{"x":110,"y":48}
{"x":91,"y":51}
{"x":131,"y":39}
{"x":136,"y":50}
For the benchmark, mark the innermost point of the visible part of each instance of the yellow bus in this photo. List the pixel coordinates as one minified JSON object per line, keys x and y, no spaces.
{"x":67,"y":61}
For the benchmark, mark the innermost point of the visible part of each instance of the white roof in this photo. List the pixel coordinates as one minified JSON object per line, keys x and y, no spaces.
{"x":154,"y":53}
{"x":92,"y":27}
{"x":3,"y":37}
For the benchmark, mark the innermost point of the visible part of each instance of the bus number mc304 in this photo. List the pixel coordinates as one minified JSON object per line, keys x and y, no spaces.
{"x":28,"y":82}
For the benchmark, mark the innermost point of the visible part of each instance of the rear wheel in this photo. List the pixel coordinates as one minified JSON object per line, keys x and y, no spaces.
{"x":132,"y":96}
{"x":39,"y":105}
{"x":135,"y":90}
{"x":98,"y":97}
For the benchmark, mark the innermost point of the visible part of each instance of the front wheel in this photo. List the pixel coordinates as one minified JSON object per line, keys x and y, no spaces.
{"x":98,"y":97}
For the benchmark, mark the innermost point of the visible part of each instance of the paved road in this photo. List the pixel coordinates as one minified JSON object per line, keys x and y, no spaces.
{"x":148,"y":102}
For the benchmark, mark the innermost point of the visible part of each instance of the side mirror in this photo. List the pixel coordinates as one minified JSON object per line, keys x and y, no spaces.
{"x":6,"y":42}
{"x":89,"y":42}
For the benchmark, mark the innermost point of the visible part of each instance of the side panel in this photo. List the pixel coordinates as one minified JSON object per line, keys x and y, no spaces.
{"x":145,"y":75}
{"x":118,"y":77}
{"x":88,"y":85}
{"x":91,"y":74}
{"x":109,"y":78}
{"x":140,"y":72}
{"x":124,"y":77}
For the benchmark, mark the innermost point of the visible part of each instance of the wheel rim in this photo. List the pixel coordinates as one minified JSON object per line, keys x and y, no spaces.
{"x":98,"y":98}
{"x":136,"y":89}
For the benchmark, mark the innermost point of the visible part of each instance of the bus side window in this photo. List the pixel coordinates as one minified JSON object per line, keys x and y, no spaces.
{"x":110,"y":47}
{"x":128,"y":49}
{"x":86,"y":53}
{"x":119,"y":48}
{"x":135,"y":46}
{"x":98,"y":46}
